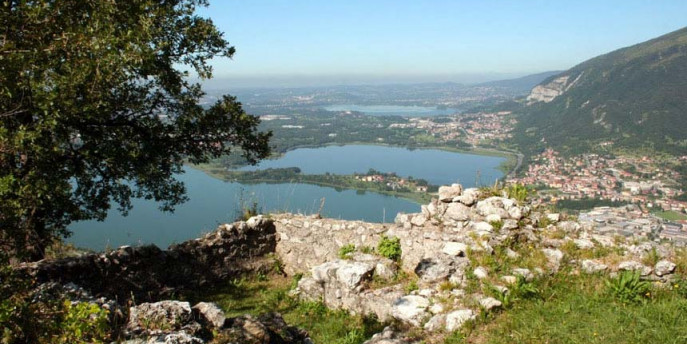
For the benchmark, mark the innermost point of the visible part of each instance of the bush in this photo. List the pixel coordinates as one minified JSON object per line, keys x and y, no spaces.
{"x":518,"y":192}
{"x":346,"y":250}
{"x":28,"y":317}
{"x":390,"y":247}
{"x":628,"y":287}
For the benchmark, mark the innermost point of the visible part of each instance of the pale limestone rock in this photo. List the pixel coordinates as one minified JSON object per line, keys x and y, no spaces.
{"x":456,"y":319}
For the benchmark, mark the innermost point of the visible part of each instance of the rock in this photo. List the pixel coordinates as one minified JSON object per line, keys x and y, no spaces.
{"x":664,"y":267}
{"x":455,"y":248}
{"x":590,"y":266}
{"x":493,"y":218}
{"x":554,"y":217}
{"x":554,"y":256}
{"x":569,"y":226}
{"x":584,"y":244}
{"x":509,"y":279}
{"x":437,"y":269}
{"x":515,"y":213}
{"x":482,"y":227}
{"x":525,"y":273}
{"x":436,"y":308}
{"x":494,"y":206}
{"x":480,"y":272}
{"x":436,"y":323}
{"x":180,"y":337}
{"x":512,"y":254}
{"x":411,"y":309}
{"x":389,"y":336}
{"x":635,"y":266}
{"x":210,"y":313}
{"x":348,"y":273}
{"x":469,"y":197}
{"x":509,"y":225}
{"x":457,"y":212}
{"x":447,"y":193}
{"x":604,"y":240}
{"x":164,"y":315}
{"x":456,"y":319}
{"x":267,"y":328}
{"x":418,"y":220}
{"x":489,"y":303}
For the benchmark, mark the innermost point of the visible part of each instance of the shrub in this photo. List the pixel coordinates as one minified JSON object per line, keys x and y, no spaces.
{"x":518,"y":192}
{"x":346,"y":250}
{"x":390,"y":247}
{"x":628,"y":287}
{"x":411,"y":286}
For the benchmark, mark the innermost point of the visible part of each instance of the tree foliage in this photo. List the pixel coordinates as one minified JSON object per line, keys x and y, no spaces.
{"x":96,"y":108}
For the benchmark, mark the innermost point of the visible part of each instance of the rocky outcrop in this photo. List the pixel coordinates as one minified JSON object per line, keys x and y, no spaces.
{"x":175,"y":322}
{"x":554,"y":88}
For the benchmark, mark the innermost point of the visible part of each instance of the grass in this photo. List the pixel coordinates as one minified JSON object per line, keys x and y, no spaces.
{"x":671,"y":215}
{"x":580,"y":309}
{"x":256,"y":296}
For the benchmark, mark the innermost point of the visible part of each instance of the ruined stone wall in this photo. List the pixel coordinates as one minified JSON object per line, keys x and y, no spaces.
{"x":149,"y":273}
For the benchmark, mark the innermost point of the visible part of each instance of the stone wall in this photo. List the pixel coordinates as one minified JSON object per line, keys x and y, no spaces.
{"x":149,"y":273}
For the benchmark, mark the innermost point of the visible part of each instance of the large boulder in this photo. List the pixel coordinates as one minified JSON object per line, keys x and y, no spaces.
{"x":159,"y":317}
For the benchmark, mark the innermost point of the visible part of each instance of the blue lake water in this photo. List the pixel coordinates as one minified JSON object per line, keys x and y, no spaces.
{"x":436,"y":166}
{"x":392,"y":110}
{"x":213,"y":201}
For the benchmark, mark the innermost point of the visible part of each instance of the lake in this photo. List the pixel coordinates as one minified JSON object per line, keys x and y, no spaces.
{"x":393,"y":110}
{"x":213,"y":201}
{"x":436,"y":166}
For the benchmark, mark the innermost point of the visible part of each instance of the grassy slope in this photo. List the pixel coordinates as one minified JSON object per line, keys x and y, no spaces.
{"x":579,"y":310}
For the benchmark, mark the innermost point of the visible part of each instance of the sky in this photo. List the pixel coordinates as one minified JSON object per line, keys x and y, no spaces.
{"x":303,"y":42}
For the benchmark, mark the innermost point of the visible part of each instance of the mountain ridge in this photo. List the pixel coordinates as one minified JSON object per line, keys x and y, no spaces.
{"x":631,"y":98}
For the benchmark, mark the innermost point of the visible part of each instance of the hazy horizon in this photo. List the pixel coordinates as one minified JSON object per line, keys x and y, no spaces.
{"x":298,"y":81}
{"x":298,"y":43}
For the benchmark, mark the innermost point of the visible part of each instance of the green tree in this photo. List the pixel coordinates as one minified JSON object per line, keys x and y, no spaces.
{"x":96,"y":108}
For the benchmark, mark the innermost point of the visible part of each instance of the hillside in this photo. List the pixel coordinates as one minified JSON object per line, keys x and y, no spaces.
{"x":635,"y":97}
{"x":523,"y":84}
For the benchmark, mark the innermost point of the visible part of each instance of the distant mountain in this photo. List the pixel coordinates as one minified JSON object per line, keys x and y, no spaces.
{"x":524,"y":84}
{"x":632,"y":98}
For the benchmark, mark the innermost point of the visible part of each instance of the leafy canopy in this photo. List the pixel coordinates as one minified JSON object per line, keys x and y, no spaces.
{"x":96,"y":108}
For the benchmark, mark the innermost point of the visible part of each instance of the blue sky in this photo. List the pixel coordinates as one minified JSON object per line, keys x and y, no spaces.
{"x":429,"y":39}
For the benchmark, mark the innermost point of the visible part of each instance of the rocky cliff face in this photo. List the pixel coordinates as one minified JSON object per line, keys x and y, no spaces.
{"x":548,"y":91}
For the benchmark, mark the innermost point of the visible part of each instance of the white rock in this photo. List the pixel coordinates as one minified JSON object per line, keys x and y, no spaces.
{"x":590,"y":266}
{"x":436,"y":323}
{"x":447,"y":193}
{"x":455,"y":248}
{"x":509,"y":279}
{"x":555,"y":217}
{"x":436,"y":308}
{"x":456,"y":319}
{"x":411,"y":309}
{"x":493,"y":218}
{"x":664,"y":267}
{"x":418,"y":220}
{"x":489,"y":303}
{"x":469,"y":197}
{"x":211,"y":313}
{"x":635,"y":266}
{"x":515,"y":213}
{"x":457,"y":212}
{"x":526,"y":273}
{"x":554,"y":256}
{"x":584,"y":244}
{"x":481,"y":272}
{"x":512,"y":254}
{"x":482,"y":227}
